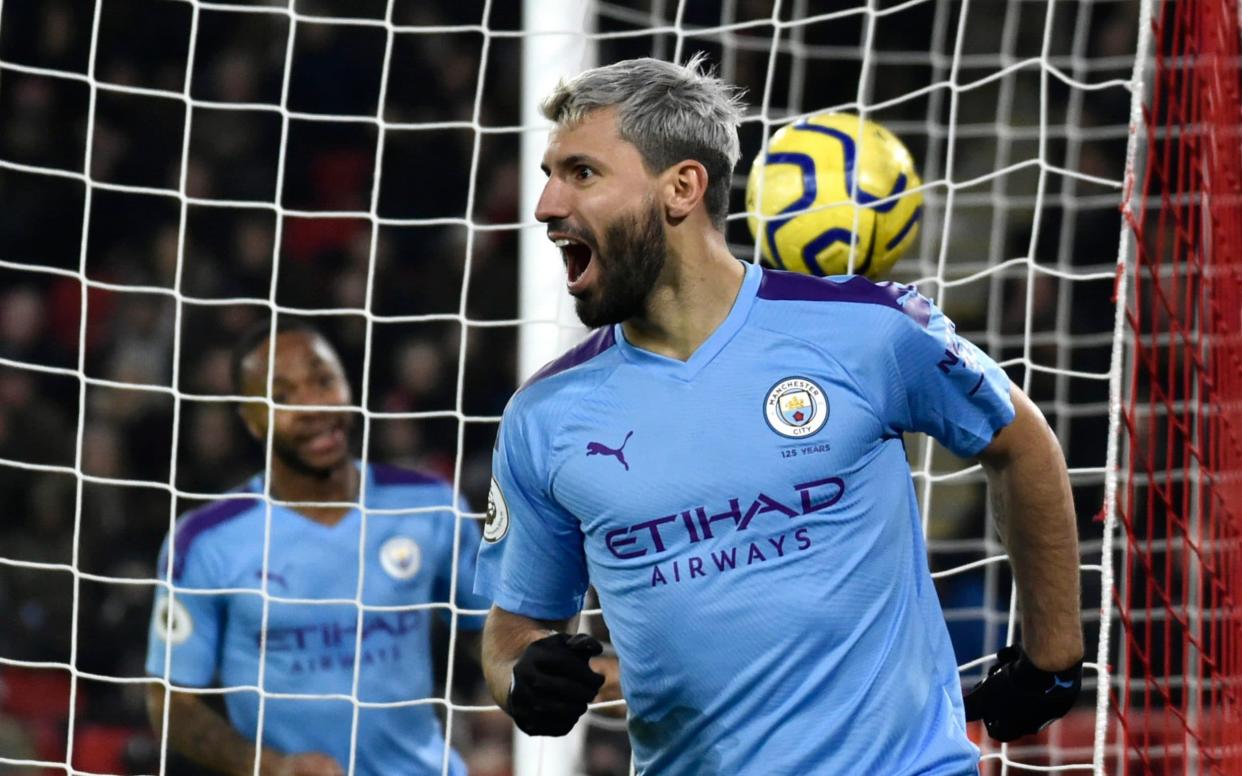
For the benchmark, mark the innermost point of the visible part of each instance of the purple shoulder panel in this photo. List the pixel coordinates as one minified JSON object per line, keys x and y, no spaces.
{"x":597,"y":342}
{"x":386,"y":474}
{"x":201,"y":520}
{"x":777,"y":285}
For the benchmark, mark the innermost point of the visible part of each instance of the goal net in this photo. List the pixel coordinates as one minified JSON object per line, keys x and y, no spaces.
{"x":173,"y":170}
{"x":1180,"y":507}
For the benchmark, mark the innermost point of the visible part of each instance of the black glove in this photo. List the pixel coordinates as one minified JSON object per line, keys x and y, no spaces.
{"x":1017,"y":699}
{"x":553,"y":683}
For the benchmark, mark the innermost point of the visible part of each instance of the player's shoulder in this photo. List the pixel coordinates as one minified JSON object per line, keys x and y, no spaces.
{"x":577,"y":370}
{"x":210,"y":524}
{"x":407,"y":483}
{"x":790,"y":293}
{"x":216,"y":516}
{"x":392,"y":476}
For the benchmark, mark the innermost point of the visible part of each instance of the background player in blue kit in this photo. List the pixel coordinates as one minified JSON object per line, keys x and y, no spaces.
{"x":213,"y":639}
{"x":723,"y":460}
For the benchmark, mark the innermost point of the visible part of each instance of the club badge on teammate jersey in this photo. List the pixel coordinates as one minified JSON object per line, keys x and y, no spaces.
{"x":796,"y":407}
{"x":401,"y":557}
{"x":497,"y":524}
{"x":172,"y":621}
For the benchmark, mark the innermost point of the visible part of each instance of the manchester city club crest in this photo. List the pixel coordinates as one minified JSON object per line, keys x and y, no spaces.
{"x":401,"y":557}
{"x":796,"y":407}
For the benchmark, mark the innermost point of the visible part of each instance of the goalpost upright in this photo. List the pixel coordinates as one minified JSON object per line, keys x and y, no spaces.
{"x":556,"y":44}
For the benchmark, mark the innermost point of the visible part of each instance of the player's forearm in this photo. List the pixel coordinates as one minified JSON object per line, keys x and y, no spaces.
{"x":505,"y":638}
{"x":1034,"y":511}
{"x":197,"y":732}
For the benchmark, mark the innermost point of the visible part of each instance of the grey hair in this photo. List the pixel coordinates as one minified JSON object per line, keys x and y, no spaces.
{"x":668,"y":112}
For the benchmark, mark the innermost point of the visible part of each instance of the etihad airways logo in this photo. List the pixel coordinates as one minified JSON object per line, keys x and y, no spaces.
{"x":329,"y":634}
{"x":328,"y":645}
{"x":700,"y":523}
{"x":773,"y":539}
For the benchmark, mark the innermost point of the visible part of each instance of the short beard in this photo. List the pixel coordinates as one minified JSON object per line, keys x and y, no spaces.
{"x":636,"y":249}
{"x":288,"y":455}
{"x":290,"y":458}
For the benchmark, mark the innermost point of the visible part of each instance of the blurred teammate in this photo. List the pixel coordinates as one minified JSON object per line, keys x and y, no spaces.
{"x":216,"y":639}
{"x":723,"y":460}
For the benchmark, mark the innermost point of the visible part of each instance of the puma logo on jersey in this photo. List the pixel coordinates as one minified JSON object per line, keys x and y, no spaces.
{"x":598,"y":448}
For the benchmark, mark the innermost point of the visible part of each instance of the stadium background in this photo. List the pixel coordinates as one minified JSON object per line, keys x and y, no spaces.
{"x":323,"y":263}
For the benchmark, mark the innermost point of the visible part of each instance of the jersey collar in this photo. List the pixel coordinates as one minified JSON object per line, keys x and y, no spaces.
{"x":257,"y":484}
{"x":688,"y":369}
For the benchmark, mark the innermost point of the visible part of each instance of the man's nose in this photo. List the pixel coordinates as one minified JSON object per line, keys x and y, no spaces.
{"x":552,"y":203}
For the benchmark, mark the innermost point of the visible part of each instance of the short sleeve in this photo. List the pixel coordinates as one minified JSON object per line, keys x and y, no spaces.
{"x":467,"y":551}
{"x":188,"y":622}
{"x":940,"y":383}
{"x":531,"y":561}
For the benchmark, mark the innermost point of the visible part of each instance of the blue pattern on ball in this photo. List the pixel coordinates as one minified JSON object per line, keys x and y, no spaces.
{"x":904,"y":230}
{"x":811,"y":251}
{"x":861,"y":196}
{"x":806,"y":164}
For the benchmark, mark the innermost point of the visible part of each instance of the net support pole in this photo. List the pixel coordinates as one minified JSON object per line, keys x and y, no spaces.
{"x":555,"y":45}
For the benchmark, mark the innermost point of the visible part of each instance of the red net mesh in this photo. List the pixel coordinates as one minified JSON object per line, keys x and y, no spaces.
{"x":1179,"y":708}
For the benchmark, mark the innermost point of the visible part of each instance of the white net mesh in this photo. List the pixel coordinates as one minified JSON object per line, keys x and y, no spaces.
{"x":172,"y":171}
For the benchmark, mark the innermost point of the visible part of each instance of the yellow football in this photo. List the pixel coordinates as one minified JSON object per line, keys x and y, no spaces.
{"x":834,"y":188}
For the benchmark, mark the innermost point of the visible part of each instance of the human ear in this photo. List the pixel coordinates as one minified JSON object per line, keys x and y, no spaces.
{"x":684,"y":189}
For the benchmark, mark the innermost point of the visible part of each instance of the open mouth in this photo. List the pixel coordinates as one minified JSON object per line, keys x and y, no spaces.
{"x":577,"y":256}
{"x":325,"y":439}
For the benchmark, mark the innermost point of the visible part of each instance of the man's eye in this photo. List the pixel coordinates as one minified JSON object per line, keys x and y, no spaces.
{"x":582,"y":172}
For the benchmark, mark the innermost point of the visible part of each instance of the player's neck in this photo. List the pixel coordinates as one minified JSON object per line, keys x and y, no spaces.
{"x":339,"y":485}
{"x":694,"y":295}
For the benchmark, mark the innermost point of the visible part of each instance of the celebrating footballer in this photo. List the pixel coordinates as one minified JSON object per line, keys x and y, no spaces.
{"x":723,"y":460}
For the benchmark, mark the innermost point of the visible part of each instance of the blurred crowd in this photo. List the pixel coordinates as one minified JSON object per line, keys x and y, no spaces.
{"x":190,"y":251}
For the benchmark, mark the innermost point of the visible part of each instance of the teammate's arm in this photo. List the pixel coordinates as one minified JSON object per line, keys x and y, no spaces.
{"x":540,"y":674}
{"x":1030,"y":494}
{"x":198,"y":732}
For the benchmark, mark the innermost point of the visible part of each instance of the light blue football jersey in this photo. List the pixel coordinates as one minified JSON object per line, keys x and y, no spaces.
{"x":749,"y":522}
{"x":310,"y":647}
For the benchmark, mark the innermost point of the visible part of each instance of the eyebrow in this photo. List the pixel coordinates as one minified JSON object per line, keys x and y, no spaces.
{"x":573,"y":160}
